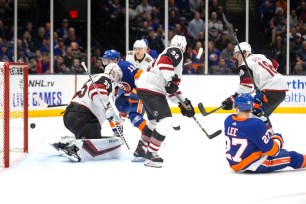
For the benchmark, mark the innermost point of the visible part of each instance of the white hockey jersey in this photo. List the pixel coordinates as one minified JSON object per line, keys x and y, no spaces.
{"x":164,"y":67}
{"x":265,"y":76}
{"x":140,"y":64}
{"x":89,"y":97}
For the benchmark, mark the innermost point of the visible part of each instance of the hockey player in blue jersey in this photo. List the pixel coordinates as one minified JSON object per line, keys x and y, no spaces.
{"x":127,"y":101}
{"x":250,"y":147}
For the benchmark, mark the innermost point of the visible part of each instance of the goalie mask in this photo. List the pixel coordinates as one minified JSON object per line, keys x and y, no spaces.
{"x":244,"y":101}
{"x":114,"y":72}
{"x":180,"y":42}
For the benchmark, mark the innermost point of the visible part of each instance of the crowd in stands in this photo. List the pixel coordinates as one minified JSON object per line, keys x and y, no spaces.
{"x":147,"y":22}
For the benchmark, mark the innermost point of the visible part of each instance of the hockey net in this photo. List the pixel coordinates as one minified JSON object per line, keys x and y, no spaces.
{"x":13,"y":111}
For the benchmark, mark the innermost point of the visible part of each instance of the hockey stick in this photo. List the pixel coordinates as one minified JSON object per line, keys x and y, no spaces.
{"x":215,"y":134}
{"x":45,"y":105}
{"x":204,"y":112}
{"x":200,"y":52}
{"x":116,"y":113}
{"x":248,"y":69}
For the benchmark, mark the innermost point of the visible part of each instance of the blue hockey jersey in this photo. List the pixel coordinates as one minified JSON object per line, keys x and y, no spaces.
{"x":247,"y":140}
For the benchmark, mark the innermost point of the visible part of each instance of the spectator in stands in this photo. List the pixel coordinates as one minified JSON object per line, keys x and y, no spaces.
{"x":301,"y":11}
{"x":266,"y":12}
{"x":215,"y":27}
{"x":213,"y":54}
{"x":65,"y":70}
{"x":197,"y":63}
{"x":68,"y":57}
{"x":39,"y":39}
{"x":28,"y":44}
{"x":295,"y":45}
{"x":227,"y":52}
{"x":98,"y":67}
{"x":29,"y":28}
{"x":195,"y":26}
{"x":32,"y":66}
{"x":281,"y":4}
{"x":76,"y":67}
{"x":194,"y":6}
{"x":46,"y":46}
{"x":221,"y":67}
{"x":63,"y":30}
{"x":43,"y":66}
{"x":187,"y":69}
{"x":151,"y":52}
{"x":223,"y":41}
{"x":48,"y":29}
{"x":71,"y":37}
{"x":293,"y":18}
{"x":183,"y":23}
{"x":144,"y":8}
{"x":38,"y":56}
{"x":59,"y":61}
{"x":300,"y":66}
{"x":2,"y":29}
{"x":6,"y":55}
{"x":280,"y":34}
{"x":59,"y":49}
{"x":178,"y":30}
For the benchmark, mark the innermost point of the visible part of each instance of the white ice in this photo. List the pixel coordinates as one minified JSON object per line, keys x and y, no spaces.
{"x":195,"y":170}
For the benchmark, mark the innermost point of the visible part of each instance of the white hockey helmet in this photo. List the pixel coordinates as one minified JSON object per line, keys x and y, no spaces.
{"x":114,"y":72}
{"x":179,"y":41}
{"x":244,"y":47}
{"x":140,"y":44}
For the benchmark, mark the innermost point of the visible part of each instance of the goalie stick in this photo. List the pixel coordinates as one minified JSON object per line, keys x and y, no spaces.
{"x":116,"y":113}
{"x":200,"y":52}
{"x":45,"y":105}
{"x":215,"y":134}
{"x":248,"y":69}
{"x":204,"y":112}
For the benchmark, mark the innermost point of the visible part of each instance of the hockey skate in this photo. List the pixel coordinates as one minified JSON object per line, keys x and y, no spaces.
{"x":153,"y":160}
{"x":72,"y":152}
{"x":140,"y":152}
{"x":63,"y":143}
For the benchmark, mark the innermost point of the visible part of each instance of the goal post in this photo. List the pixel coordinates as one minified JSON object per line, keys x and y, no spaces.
{"x":13,"y":111}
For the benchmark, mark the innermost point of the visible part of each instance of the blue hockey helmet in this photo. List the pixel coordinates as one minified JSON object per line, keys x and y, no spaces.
{"x":111,"y":54}
{"x":244,"y":101}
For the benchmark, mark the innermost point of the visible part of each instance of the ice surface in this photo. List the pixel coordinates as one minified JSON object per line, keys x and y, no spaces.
{"x":195,"y":170}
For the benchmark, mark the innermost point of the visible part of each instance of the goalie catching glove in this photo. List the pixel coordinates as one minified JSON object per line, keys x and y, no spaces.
{"x":172,"y":86}
{"x":109,"y":114}
{"x":188,"y":110}
{"x":228,"y":103}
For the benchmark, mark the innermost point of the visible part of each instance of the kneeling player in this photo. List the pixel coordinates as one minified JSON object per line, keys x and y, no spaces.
{"x":84,"y":116}
{"x":250,"y":147}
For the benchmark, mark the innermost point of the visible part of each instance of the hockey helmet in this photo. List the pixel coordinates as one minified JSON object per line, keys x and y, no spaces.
{"x":179,"y":41}
{"x":244,"y":101}
{"x":114,"y":72}
{"x":111,"y":54}
{"x":244,"y":46}
{"x":140,"y":44}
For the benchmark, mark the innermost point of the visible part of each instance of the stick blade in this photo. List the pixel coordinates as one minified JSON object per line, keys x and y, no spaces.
{"x":40,"y":101}
{"x":202,"y":109}
{"x":214,"y":134}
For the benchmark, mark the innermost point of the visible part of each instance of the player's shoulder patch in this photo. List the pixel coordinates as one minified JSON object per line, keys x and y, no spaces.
{"x":130,"y":53}
{"x":106,"y":81}
{"x":175,"y":54}
{"x":148,"y":59}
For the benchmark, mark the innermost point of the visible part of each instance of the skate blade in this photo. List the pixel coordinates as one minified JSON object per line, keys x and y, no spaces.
{"x":57,"y":149}
{"x":150,"y":163}
{"x":72,"y":157}
{"x":138,"y":159}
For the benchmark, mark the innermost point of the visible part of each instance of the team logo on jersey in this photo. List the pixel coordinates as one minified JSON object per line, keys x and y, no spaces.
{"x":176,"y":56}
{"x":241,"y":72}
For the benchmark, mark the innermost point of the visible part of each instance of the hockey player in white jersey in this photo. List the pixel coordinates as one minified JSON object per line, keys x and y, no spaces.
{"x":160,"y":81}
{"x":263,"y":72}
{"x":138,"y":57}
{"x":84,"y":116}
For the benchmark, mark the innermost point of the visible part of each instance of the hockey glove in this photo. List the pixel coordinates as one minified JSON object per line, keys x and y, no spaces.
{"x":279,"y":139}
{"x":189,"y":112}
{"x":228,"y":103}
{"x":172,"y":86}
{"x":259,"y":99}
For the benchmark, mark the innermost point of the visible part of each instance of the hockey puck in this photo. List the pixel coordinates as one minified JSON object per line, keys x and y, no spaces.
{"x":177,"y":127}
{"x":32,"y":125}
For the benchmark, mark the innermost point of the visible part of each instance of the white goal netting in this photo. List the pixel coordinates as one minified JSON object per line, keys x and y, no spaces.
{"x":13,"y":112}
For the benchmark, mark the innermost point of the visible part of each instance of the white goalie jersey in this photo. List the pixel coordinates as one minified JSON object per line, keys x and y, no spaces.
{"x":90,"y":98}
{"x":264,"y":74}
{"x":140,"y":64}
